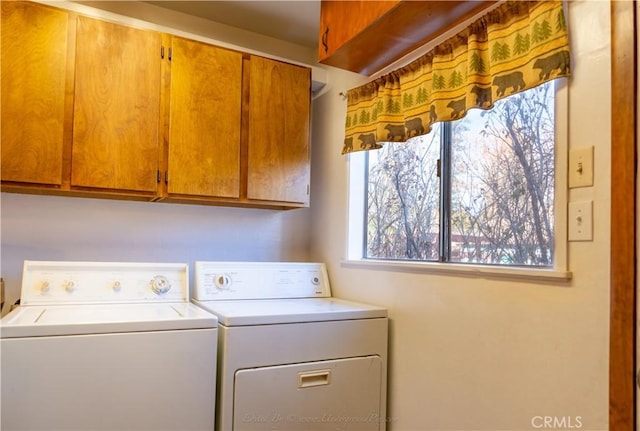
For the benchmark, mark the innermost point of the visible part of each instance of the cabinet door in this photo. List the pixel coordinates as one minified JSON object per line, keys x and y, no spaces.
{"x":34,"y":57}
{"x":204,"y":131}
{"x":279,"y":115}
{"x":117,"y":107}
{"x":365,"y":36}
{"x":341,"y":21}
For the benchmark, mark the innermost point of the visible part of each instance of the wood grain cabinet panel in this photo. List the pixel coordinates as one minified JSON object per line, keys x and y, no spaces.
{"x":205,"y":108}
{"x":34,"y":70}
{"x":278,"y":143}
{"x":364,"y":36}
{"x":117,"y":107}
{"x":341,"y":21}
{"x":94,"y":108}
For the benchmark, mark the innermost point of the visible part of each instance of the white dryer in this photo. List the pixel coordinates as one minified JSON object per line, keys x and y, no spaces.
{"x":291,"y":357}
{"x":107,"y":346}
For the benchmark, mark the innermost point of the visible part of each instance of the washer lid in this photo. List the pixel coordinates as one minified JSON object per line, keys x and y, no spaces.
{"x":38,"y":321}
{"x":274,"y":311}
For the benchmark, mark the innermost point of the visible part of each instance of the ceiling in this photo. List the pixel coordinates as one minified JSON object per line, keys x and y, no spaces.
{"x":296,"y":21}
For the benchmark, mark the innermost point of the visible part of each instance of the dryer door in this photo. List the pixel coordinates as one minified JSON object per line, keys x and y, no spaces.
{"x":325,"y":395}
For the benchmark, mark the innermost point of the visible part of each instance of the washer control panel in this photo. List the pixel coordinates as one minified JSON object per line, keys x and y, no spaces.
{"x":103,"y":282}
{"x":260,"y":280}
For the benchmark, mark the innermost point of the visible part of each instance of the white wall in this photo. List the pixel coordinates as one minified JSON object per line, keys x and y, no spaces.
{"x":470,"y":353}
{"x":62,"y":228}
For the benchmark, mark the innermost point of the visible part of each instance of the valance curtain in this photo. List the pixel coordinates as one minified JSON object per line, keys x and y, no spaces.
{"x":516,"y":46}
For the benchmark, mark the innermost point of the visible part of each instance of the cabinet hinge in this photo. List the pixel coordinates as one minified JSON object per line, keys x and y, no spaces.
{"x":308,"y":189}
{"x":166,"y":177}
{"x":162,"y":53}
{"x":438,"y":168}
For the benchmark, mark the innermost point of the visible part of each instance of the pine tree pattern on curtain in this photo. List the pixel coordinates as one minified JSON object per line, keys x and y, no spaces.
{"x":513,"y":48}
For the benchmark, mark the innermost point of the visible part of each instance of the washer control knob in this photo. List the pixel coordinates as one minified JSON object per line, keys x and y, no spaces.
{"x":70,"y":286}
{"x":45,"y":286}
{"x":222,"y":281}
{"x":160,"y":284}
{"x":116,"y":286}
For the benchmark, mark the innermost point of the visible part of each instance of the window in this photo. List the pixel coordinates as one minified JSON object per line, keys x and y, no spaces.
{"x":477,"y":190}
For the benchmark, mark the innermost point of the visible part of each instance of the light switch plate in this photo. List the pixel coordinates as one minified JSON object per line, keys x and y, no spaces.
{"x":581,"y":221}
{"x":581,"y":167}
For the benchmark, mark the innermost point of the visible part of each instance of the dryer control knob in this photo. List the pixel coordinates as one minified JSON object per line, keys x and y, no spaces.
{"x":70,"y":286}
{"x":160,"y":284}
{"x":222,"y":281}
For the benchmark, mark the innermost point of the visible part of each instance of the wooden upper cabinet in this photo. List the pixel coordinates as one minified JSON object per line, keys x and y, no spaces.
{"x":278,"y":141}
{"x":117,"y":107}
{"x":204,"y":131}
{"x":365,"y":36}
{"x":34,"y":70}
{"x":341,"y":21}
{"x":94,"y":108}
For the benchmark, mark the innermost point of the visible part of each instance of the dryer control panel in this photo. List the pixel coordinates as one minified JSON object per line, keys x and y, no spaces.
{"x":260,"y":280}
{"x":54,"y":282}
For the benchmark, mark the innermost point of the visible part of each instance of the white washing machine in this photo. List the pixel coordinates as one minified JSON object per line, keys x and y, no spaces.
{"x":291,"y":357}
{"x":107,"y":346}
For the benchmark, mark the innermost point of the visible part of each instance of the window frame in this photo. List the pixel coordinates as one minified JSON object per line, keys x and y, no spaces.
{"x":356,"y":216}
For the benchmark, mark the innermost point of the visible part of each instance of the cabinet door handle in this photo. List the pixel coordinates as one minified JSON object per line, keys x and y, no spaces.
{"x":324,"y":40}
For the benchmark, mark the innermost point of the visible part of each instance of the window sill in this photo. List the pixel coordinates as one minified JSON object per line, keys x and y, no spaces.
{"x":464,"y":270}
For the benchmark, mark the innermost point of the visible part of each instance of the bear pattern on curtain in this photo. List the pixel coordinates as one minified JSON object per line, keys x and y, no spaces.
{"x":514,"y":47}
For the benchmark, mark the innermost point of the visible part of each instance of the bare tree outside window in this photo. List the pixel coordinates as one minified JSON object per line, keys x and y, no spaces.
{"x":501,"y":198}
{"x":403,"y":215}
